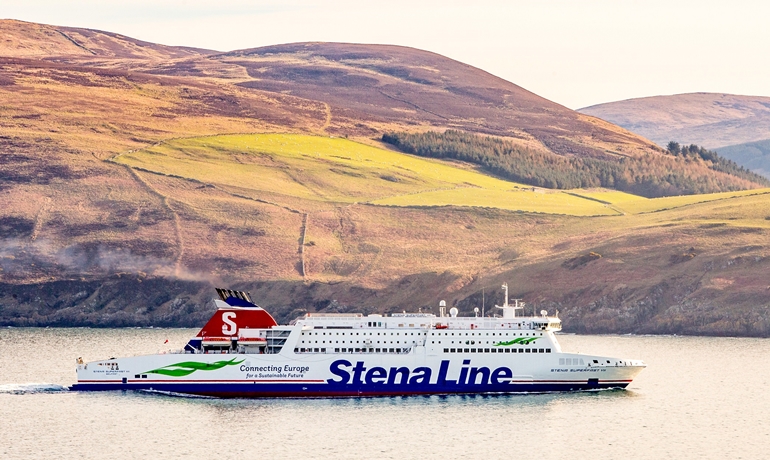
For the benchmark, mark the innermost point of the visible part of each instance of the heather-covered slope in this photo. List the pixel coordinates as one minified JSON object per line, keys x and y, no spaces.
{"x":117,"y":209}
{"x":31,"y":40}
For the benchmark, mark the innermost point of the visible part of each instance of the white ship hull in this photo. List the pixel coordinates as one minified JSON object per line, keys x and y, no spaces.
{"x":356,"y":374}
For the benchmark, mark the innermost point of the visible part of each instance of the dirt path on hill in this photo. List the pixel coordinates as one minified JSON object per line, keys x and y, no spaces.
{"x":328,"y":121}
{"x":303,"y":234}
{"x":167,"y":204}
{"x":40,"y":218}
{"x":301,"y":267}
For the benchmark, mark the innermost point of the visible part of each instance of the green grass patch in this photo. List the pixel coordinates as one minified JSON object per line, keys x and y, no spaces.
{"x":339,"y":170}
{"x":342,"y":171}
{"x":515,"y":200}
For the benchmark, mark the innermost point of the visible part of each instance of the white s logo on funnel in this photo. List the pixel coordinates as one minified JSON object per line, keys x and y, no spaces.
{"x":229,"y":327}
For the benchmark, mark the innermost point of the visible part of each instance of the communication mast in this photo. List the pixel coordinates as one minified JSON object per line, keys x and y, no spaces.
{"x":509,"y":311}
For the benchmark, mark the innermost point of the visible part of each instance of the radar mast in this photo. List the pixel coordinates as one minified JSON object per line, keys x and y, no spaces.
{"x":509,"y":311}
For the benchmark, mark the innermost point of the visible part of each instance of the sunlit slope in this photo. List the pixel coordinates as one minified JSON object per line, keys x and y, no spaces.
{"x":517,"y":199}
{"x":341,"y":171}
{"x":632,"y":204}
{"x":293,"y":167}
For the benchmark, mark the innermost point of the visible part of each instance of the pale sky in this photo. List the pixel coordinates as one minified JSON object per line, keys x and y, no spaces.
{"x":574,"y":52}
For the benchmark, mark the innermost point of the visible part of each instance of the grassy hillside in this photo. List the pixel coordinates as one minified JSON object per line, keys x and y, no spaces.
{"x":338,"y":171}
{"x":125,"y":194}
{"x":226,"y":210}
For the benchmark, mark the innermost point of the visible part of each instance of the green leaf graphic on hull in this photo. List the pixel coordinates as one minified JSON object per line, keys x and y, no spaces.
{"x":188,"y":367}
{"x":519,"y":341}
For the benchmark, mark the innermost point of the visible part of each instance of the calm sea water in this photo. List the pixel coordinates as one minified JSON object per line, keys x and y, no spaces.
{"x":699,"y":398}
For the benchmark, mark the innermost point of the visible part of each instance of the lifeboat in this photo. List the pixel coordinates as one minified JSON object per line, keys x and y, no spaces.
{"x":252,"y":341}
{"x":216,"y":341}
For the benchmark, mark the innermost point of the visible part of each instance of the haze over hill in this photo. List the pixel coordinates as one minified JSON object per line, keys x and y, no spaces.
{"x":122,"y":202}
{"x":735,"y":126}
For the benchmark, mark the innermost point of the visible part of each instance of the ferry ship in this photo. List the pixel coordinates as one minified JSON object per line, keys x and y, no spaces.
{"x":243,"y":352}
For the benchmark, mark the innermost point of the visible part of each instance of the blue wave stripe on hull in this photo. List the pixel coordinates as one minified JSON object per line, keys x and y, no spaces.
{"x":251,"y":390}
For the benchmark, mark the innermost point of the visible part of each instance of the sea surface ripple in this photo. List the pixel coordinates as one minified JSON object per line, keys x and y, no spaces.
{"x":698,"y":398}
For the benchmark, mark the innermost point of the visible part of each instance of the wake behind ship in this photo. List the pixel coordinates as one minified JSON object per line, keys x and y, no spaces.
{"x":243,"y":352}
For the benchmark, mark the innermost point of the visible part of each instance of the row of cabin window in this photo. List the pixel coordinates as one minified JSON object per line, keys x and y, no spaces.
{"x":361,"y":333}
{"x":357,"y":341}
{"x":497,"y":350}
{"x":501,"y":334}
{"x":353,"y":350}
{"x":467,"y":342}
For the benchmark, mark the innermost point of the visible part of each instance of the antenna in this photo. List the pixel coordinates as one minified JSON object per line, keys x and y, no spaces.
{"x":509,"y":311}
{"x":505,"y":287}
{"x":482,"y":301}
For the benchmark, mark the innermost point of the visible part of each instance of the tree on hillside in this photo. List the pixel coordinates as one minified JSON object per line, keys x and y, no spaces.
{"x":673,"y":147}
{"x":688,"y":170}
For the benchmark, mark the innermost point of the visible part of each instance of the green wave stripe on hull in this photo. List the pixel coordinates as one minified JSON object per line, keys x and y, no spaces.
{"x":188,"y":367}
{"x":519,"y":341}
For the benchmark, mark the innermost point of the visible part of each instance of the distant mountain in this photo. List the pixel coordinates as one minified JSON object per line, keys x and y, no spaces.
{"x":753,"y":155}
{"x":714,"y":121}
{"x":708,"y":119}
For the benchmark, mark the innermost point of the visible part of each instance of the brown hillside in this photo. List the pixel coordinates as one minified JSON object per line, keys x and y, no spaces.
{"x":406,"y":86}
{"x":84,"y":240}
{"x":31,"y":40}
